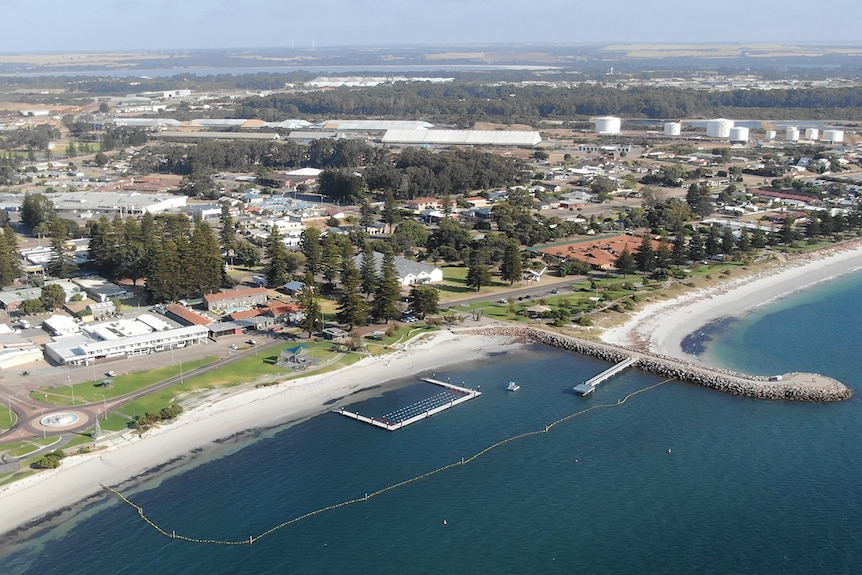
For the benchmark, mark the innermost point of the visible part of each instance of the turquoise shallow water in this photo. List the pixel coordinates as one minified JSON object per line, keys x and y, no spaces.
{"x":677,"y":479}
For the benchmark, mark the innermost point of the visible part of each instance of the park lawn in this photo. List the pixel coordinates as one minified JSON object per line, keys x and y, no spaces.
{"x":115,"y":422}
{"x":32,"y":445}
{"x":92,"y":392}
{"x":455,"y":282}
{"x":7,"y":419}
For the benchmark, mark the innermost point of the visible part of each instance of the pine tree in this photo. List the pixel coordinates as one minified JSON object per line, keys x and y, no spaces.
{"x":625,"y":262}
{"x":511,"y":268}
{"x":10,"y":266}
{"x":309,"y":245}
{"x":227,"y":231}
{"x":478,"y":274}
{"x":311,"y":323}
{"x":207,"y":275}
{"x":353,"y":309}
{"x":277,"y":272}
{"x":368,"y":271}
{"x":646,"y":255}
{"x":388,"y":291}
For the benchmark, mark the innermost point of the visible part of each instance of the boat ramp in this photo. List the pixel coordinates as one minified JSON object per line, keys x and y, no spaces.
{"x":589,"y":386}
{"x":450,"y":397}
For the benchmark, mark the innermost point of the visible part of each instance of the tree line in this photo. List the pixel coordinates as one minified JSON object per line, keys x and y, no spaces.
{"x":466,"y":103}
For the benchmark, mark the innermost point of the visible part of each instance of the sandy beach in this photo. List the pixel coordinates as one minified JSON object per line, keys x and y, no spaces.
{"x":661,"y":327}
{"x":31,"y":500}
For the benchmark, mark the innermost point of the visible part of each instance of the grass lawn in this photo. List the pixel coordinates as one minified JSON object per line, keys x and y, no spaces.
{"x":29,"y":446}
{"x":455,"y":282}
{"x":7,"y":418}
{"x":92,"y":391}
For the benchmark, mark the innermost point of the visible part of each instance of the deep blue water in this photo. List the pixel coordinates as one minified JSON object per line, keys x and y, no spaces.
{"x":678,"y":479}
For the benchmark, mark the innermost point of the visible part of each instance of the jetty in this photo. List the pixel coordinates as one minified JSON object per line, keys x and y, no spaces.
{"x":402,"y":417}
{"x":590,"y":385}
{"x":791,"y":386}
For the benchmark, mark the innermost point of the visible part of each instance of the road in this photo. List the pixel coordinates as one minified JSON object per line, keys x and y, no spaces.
{"x":31,"y":412}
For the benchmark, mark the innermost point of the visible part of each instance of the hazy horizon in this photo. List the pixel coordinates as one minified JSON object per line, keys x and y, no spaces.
{"x":152,"y":25}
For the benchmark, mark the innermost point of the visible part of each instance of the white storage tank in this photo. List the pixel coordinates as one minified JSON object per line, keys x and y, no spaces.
{"x":833,"y":136}
{"x":811,"y":133}
{"x":792,"y":134}
{"x":719,"y":128}
{"x":608,"y":125}
{"x":770,"y":134}
{"x":672,"y":128}
{"x":738,"y":134}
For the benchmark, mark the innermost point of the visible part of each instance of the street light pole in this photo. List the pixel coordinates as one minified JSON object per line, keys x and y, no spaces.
{"x":104,"y":406}
{"x":41,"y":417}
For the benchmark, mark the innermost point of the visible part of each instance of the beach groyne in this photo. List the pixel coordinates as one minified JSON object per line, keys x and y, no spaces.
{"x":791,"y":386}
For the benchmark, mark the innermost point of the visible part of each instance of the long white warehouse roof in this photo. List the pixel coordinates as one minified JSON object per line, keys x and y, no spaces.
{"x":462,"y":137}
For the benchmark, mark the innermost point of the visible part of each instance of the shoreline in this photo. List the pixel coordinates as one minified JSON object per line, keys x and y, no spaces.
{"x":34,"y":502}
{"x":661,"y":327}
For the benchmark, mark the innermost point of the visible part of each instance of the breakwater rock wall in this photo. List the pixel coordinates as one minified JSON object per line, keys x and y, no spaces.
{"x":793,"y":386}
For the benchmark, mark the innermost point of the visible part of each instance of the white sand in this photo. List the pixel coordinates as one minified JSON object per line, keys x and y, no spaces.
{"x":79,"y":476}
{"x":660,"y":327}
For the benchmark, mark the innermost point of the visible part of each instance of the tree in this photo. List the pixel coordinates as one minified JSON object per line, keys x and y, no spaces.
{"x":61,"y":265}
{"x":227,"y":232}
{"x":31,"y":306}
{"x":278,"y":271}
{"x":10,"y":266}
{"x":424,"y":300}
{"x":207,"y":274}
{"x":699,"y":199}
{"x":409,"y":234}
{"x":353,"y":309}
{"x":512,"y":268}
{"x":246,"y":254}
{"x":53,"y":296}
{"x":625,"y":262}
{"x":388,"y":290}
{"x":312,"y":321}
{"x":368,"y":271}
{"x":696,"y":248}
{"x":646,"y":255}
{"x":390,"y":211}
{"x":478,"y":273}
{"x":36,"y":209}
{"x":309,"y":245}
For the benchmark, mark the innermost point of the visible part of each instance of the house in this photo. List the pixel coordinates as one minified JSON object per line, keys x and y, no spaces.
{"x":408,"y":271}
{"x":186,"y":316}
{"x":419,"y":204}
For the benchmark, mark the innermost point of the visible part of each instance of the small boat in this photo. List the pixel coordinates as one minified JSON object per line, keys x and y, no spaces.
{"x":513,"y":386}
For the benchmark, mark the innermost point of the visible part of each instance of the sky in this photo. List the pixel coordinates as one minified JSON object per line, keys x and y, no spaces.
{"x":111,"y":25}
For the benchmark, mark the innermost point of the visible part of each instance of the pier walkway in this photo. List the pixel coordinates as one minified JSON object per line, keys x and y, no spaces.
{"x":452,"y":396}
{"x":590,"y":385}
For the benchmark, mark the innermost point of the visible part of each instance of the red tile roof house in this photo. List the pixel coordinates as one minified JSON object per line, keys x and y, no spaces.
{"x":234,"y":299}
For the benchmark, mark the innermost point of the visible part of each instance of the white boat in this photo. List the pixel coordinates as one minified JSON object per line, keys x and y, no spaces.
{"x":513,"y":386}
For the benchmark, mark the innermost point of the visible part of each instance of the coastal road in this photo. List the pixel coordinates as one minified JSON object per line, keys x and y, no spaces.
{"x":31,"y":412}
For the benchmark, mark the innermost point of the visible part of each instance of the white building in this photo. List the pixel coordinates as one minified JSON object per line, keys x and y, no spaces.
{"x":83,"y":350}
{"x":409,"y":272}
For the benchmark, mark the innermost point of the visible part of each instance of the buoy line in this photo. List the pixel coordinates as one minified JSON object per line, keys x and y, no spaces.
{"x":270,"y":531}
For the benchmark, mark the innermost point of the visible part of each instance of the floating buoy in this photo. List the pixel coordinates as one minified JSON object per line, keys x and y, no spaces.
{"x":668,"y":450}
{"x":577,"y":461}
{"x":444,"y":522}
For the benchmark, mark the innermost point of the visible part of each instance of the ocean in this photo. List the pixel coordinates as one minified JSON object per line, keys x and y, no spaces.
{"x":676,"y":479}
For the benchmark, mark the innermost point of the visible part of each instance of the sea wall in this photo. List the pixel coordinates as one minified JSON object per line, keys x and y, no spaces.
{"x":793,"y":386}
